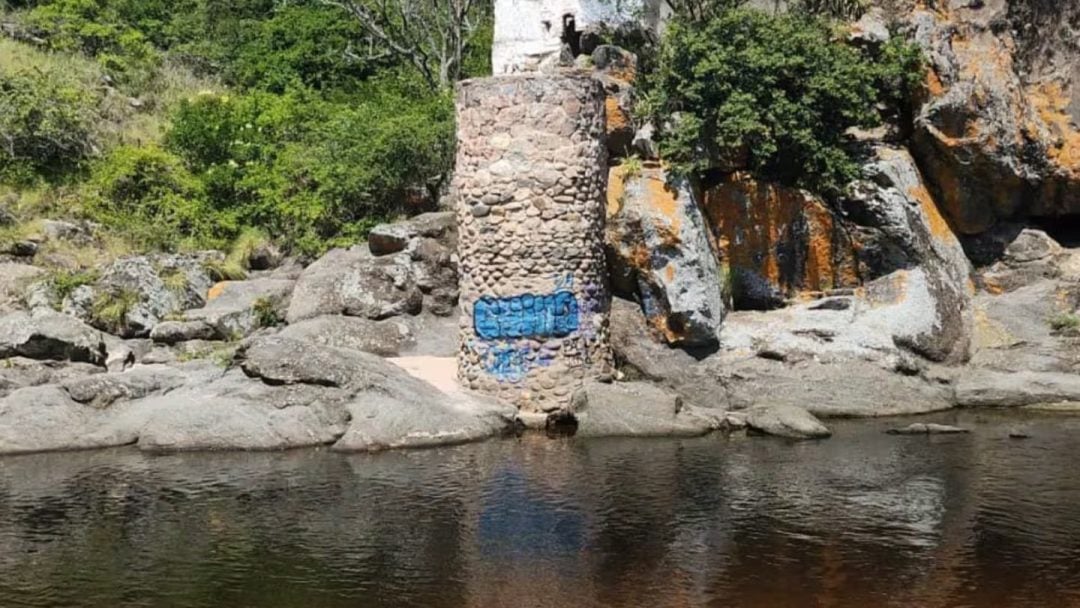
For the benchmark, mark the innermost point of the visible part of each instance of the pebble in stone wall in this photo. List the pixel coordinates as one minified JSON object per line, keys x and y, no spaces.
{"x":529,"y":187}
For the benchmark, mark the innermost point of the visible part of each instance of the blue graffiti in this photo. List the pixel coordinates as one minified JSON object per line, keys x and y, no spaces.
{"x":526,"y":316}
{"x":507,"y":363}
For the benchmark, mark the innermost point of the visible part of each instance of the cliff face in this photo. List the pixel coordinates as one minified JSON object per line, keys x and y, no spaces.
{"x":996,"y":136}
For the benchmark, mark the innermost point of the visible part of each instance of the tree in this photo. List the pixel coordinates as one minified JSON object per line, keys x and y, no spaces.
{"x":431,"y":35}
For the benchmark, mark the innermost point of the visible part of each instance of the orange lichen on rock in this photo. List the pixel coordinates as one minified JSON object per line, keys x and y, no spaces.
{"x":785,"y":236}
{"x":939,"y":226}
{"x":617,"y":119}
{"x":216,"y":291}
{"x":616,"y":190}
{"x":1051,"y":102}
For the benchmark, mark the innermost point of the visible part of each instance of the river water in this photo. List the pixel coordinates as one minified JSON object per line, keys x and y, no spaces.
{"x":863,"y":519}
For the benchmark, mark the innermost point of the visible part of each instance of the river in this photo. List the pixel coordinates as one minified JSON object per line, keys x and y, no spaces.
{"x":862,"y":519}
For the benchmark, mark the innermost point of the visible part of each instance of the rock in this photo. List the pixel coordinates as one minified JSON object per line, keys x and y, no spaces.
{"x":265,"y":256}
{"x":997,"y":133}
{"x":987,"y":388}
{"x":1014,"y":333}
{"x":152,"y":288}
{"x":118,"y":354}
{"x":102,"y":390}
{"x":660,"y":252}
{"x":237,"y":308}
{"x":50,"y":335}
{"x":1018,"y":434}
{"x":283,"y":361}
{"x":236,"y":413}
{"x":14,"y":280}
{"x":921,"y":428}
{"x":786,"y":421}
{"x":641,"y":357}
{"x":386,"y":338}
{"x":354,"y":283}
{"x":356,"y":402}
{"x":60,"y":230}
{"x":19,"y":249}
{"x":174,"y":332}
{"x":644,"y":144}
{"x":637,"y":409}
{"x":872,"y":29}
{"x":20,"y":372}
{"x":778,"y":242}
{"x":387,"y":239}
{"x":615,"y":62}
{"x":1026,"y":258}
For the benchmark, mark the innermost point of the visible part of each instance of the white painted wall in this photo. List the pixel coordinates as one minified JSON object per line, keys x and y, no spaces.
{"x":529,"y":31}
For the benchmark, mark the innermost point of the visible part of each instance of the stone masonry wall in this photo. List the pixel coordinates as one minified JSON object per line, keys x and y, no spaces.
{"x":529,"y":187}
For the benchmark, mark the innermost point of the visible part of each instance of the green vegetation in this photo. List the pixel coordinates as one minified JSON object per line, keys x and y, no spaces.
{"x":187,"y":124}
{"x":774,"y":94}
{"x":266,"y":314}
{"x":63,"y":283}
{"x":1065,"y":322}
{"x":110,"y":308}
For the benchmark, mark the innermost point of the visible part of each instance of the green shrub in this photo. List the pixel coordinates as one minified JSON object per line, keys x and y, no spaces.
{"x":47,"y":124}
{"x":1065,"y":322}
{"x":64,"y":282}
{"x":110,"y":309}
{"x":266,"y":314}
{"x":97,"y":28}
{"x":149,"y":195}
{"x":311,"y":172}
{"x":775,"y":94}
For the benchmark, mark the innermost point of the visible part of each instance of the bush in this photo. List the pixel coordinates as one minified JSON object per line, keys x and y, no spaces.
{"x":97,"y":28}
{"x":47,"y":124}
{"x":311,"y":172}
{"x":775,"y":94}
{"x":149,"y":195}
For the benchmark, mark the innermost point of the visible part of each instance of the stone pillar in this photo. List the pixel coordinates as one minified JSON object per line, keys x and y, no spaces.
{"x":530,"y":186}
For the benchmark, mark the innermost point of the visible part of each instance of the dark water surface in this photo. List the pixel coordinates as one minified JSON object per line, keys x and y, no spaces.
{"x":863,"y":519}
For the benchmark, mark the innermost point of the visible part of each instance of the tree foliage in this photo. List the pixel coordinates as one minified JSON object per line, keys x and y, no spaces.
{"x":774,"y":94}
{"x":47,"y":124}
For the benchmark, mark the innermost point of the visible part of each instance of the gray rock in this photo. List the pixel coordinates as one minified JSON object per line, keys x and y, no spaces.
{"x":50,"y":335}
{"x":20,"y":372}
{"x":281,"y":361}
{"x":14,"y":280}
{"x":386,"y":239}
{"x":174,"y":332}
{"x":410,"y":413}
{"x":61,"y":230}
{"x":644,"y":143}
{"x":102,"y":390}
{"x":233,"y":307}
{"x":159,"y":285}
{"x":921,"y":428}
{"x":236,"y":413}
{"x":678,"y":281}
{"x":786,"y":421}
{"x":988,"y":388}
{"x":872,"y":29}
{"x":386,"y":338}
{"x":638,"y":409}
{"x":355,"y":283}
{"x":266,"y":256}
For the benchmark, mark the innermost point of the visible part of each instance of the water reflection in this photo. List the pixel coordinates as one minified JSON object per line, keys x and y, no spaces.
{"x":862,"y":519}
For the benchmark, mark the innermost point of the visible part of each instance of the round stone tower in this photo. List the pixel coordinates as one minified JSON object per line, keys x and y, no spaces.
{"x":530,"y":187}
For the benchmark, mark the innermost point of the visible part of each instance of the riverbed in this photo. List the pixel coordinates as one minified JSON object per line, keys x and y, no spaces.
{"x":862,"y":519}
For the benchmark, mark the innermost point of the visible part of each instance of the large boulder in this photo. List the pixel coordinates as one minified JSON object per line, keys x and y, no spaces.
{"x":638,"y":409}
{"x":143,"y":290}
{"x":778,"y":242}
{"x":386,"y":338}
{"x":238,"y":308}
{"x":15,"y":278}
{"x":997,"y":135}
{"x":356,"y":283}
{"x":50,"y":335}
{"x":786,"y":421}
{"x":661,"y":253}
{"x":283,"y":394}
